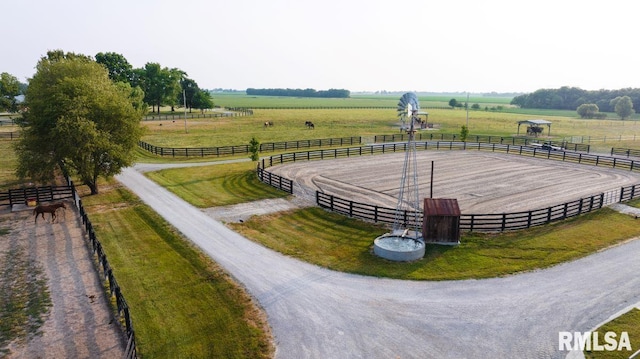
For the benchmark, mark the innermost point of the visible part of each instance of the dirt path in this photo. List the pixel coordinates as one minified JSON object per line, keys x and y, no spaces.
{"x":79,"y":323}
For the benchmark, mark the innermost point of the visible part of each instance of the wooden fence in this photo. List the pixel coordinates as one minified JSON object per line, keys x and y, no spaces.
{"x":566,"y":156}
{"x":195,"y":152}
{"x":628,"y":152}
{"x":9,"y":135}
{"x":104,"y":268}
{"x":181,"y":116}
{"x":521,"y":141}
{"x":39,"y":194}
{"x":244,"y":149}
{"x":499,"y":222}
{"x":470,"y":222}
{"x":279,"y":182}
{"x":323,"y":142}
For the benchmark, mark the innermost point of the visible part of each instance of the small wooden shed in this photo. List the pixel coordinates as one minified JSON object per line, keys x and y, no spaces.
{"x":441,"y":223}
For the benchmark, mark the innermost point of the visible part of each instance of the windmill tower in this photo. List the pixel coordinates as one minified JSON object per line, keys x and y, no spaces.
{"x":405,"y":242}
{"x":407,"y":216}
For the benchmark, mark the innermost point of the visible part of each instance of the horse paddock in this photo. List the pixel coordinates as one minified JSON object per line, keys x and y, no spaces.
{"x":482,"y":182}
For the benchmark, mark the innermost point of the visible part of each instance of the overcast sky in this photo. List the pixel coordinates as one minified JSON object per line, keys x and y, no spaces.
{"x":359,"y":45}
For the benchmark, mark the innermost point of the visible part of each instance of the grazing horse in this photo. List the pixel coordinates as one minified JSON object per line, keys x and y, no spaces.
{"x":52,"y":208}
{"x":309,"y":125}
{"x":268,"y":124}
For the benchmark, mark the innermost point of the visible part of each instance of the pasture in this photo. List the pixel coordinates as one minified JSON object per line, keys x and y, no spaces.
{"x":289,"y":124}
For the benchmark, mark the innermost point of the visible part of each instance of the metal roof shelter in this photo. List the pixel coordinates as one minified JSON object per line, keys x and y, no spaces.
{"x":535,"y":123}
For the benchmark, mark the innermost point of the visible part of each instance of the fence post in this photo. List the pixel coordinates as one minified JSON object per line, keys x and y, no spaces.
{"x":621,"y":194}
{"x":580,"y":206}
{"x":504,"y":221}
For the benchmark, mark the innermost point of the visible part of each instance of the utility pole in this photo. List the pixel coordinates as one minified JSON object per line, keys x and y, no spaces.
{"x":467,"y":110}
{"x":184,"y":99}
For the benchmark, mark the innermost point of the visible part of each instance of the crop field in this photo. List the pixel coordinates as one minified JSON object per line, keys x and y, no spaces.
{"x":356,"y":100}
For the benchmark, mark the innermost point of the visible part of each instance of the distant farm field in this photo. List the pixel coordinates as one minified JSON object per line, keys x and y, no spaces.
{"x":289,"y":125}
{"x":356,"y":100}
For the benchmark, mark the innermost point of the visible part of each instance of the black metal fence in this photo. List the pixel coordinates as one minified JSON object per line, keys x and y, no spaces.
{"x":38,"y":194}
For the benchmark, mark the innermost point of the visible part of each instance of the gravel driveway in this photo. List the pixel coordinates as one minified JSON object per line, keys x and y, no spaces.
{"x":318,"y":313}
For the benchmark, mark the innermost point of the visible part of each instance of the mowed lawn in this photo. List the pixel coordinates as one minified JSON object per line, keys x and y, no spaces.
{"x":345,"y":244}
{"x":217,"y":185}
{"x":182,"y":304}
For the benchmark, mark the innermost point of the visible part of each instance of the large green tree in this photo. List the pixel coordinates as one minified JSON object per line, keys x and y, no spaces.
{"x":588,"y":110}
{"x":202,"y":100}
{"x":623,"y":106}
{"x":120,"y":70}
{"x":161,"y":85}
{"x":77,"y":118}
{"x":9,"y":89}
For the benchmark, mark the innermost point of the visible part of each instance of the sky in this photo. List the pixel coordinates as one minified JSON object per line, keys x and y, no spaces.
{"x":358,"y":45}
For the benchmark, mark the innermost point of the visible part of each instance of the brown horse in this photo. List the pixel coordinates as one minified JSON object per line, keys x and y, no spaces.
{"x":52,"y":208}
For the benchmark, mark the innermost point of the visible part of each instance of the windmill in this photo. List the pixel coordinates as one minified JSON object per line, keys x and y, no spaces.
{"x":405,"y":243}
{"x":406,"y":222}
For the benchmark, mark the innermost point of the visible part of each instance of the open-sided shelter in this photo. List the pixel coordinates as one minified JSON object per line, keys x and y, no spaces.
{"x":534,"y":127}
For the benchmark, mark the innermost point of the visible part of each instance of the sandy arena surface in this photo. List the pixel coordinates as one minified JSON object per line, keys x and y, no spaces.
{"x":79,"y":323}
{"x":482,"y":182}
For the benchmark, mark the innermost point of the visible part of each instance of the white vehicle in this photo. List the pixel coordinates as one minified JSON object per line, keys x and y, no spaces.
{"x":550,"y":147}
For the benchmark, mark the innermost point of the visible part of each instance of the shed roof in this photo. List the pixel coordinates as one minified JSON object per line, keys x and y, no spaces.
{"x":441,"y":207}
{"x":535,"y":122}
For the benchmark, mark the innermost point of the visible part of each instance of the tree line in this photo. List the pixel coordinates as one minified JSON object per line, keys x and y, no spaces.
{"x":570,"y":98}
{"x":161,"y":86}
{"x":331,"y":93}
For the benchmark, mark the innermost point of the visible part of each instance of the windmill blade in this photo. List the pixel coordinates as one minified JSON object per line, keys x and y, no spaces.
{"x":407,"y":99}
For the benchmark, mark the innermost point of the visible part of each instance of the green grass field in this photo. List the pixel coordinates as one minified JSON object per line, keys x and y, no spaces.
{"x":213,"y":186}
{"x":289,"y":125}
{"x":356,"y":100}
{"x":182,"y":304}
